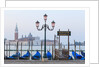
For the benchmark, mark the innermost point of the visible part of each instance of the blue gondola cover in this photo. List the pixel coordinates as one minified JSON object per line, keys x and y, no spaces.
{"x":14,"y":56}
{"x":49,"y":56}
{"x":70,"y":57}
{"x":25,"y":55}
{"x":77,"y":55}
{"x":83,"y":54}
{"x":37,"y":56}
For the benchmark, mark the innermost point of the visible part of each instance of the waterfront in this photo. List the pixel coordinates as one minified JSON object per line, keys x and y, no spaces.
{"x":35,"y":48}
{"x":48,"y":47}
{"x":44,"y":62}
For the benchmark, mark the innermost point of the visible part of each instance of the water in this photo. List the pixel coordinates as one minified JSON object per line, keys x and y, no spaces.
{"x":34,"y":48}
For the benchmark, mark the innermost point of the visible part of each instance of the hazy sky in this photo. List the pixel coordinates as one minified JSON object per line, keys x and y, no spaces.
{"x":64,"y":19}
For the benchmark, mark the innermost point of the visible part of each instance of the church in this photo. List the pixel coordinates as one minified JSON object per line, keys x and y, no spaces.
{"x":25,"y":40}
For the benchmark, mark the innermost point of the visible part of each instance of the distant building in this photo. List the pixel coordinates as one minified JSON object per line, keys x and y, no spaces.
{"x":48,"y":42}
{"x":80,"y":43}
{"x":25,"y":40}
{"x":16,"y":33}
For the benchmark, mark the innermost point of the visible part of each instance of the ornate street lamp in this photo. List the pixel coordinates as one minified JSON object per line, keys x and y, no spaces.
{"x":53,"y":24}
{"x":45,"y":26}
{"x":37,"y":24}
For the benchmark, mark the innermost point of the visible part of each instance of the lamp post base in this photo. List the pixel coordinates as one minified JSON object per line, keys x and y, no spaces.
{"x":44,"y":59}
{"x":44,"y":56}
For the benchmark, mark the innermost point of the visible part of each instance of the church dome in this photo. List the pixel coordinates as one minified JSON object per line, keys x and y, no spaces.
{"x":30,"y":35}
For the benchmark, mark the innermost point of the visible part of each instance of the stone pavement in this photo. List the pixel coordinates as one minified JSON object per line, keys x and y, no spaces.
{"x":44,"y":62}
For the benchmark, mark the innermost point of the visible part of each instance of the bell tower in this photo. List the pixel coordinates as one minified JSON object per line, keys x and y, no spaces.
{"x":16,"y":33}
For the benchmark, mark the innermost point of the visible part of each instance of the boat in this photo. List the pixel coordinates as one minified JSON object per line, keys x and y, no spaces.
{"x":37,"y":56}
{"x":83,"y":54}
{"x":6,"y":57}
{"x":25,"y":56}
{"x":14,"y":56}
{"x":49,"y":56}
{"x":77,"y":56}
{"x":70,"y":58}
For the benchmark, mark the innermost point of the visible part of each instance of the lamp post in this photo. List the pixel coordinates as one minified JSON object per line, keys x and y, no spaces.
{"x":45,"y":26}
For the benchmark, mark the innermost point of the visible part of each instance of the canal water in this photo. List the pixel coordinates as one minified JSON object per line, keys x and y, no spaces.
{"x":35,"y":48}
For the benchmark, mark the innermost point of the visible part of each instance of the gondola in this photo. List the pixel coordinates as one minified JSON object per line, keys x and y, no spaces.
{"x":77,"y":56}
{"x":25,"y":56}
{"x":83,"y":54}
{"x":14,"y":56}
{"x":49,"y":56}
{"x":37,"y":56}
{"x":70,"y":58}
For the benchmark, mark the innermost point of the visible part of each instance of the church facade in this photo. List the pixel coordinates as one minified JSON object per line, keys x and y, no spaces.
{"x":25,"y":40}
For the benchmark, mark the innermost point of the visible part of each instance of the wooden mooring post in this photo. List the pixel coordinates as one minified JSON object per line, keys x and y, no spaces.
{"x":6,"y":49}
{"x":54,"y":47}
{"x":41,"y":49}
{"x":52,"y":51}
{"x":9,"y":49}
{"x":17,"y":49}
{"x":21,"y":48}
{"x":29,"y":45}
{"x":64,"y":46}
{"x":31,"y":48}
{"x":79,"y":47}
{"x":49,"y":48}
{"x":59,"y":45}
{"x":68,"y":41}
{"x":75,"y":50}
{"x":59,"y":41}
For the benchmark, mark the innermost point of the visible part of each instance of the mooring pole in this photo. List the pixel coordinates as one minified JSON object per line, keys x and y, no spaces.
{"x":54,"y":46}
{"x":54,"y":41}
{"x":79,"y":47}
{"x":52,"y":51}
{"x":75,"y":49}
{"x":59,"y":43}
{"x":68,"y":41}
{"x":9,"y":49}
{"x":61,"y":46}
{"x":31,"y":48}
{"x":21,"y":48}
{"x":6,"y":49}
{"x":49,"y":48}
{"x":41,"y":50}
{"x":17,"y":49}
{"x":59,"y":40}
{"x":17,"y":46}
{"x":64,"y":46}
{"x":29,"y":45}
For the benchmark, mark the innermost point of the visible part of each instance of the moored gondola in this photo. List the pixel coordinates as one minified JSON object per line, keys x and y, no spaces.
{"x":83,"y":54}
{"x":14,"y":56}
{"x":25,"y":56}
{"x":49,"y":55}
{"x":77,"y":56}
{"x":37,"y":56}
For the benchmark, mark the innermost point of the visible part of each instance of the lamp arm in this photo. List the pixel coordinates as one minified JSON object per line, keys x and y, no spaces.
{"x":41,"y":28}
{"x":49,"y":28}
